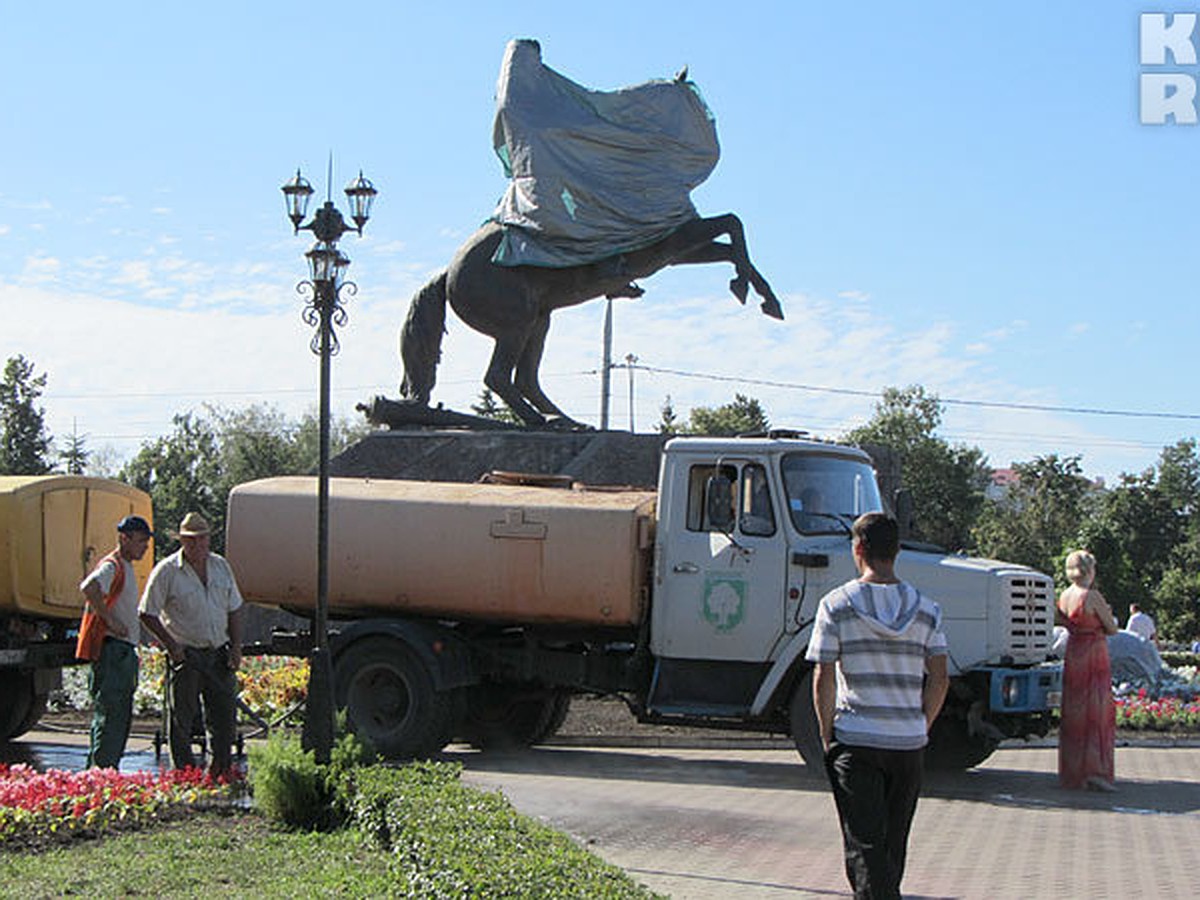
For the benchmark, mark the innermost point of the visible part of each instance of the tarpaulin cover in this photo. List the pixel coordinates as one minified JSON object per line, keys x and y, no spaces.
{"x":593,"y":173}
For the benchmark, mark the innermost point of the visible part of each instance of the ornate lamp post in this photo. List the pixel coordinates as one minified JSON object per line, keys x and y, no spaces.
{"x":327,"y":268}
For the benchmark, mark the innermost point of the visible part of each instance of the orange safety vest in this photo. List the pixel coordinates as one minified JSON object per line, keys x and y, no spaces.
{"x":91,"y":627}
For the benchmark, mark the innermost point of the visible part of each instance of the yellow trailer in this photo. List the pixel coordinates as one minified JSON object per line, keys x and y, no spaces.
{"x":53,"y":530}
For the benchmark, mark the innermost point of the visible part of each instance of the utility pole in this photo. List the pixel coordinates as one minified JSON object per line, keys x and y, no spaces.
{"x":606,"y":365}
{"x":630,"y":361}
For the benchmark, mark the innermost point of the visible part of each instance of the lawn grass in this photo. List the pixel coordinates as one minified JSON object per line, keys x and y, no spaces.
{"x":414,"y":831}
{"x":210,"y":854}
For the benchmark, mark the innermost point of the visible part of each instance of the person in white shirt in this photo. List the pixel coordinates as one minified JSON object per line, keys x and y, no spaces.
{"x":192,"y":605}
{"x":1142,"y":624}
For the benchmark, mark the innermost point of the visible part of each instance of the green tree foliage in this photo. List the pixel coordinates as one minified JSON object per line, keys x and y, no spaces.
{"x":947,"y":482}
{"x":1040,"y":517}
{"x":75,"y":455}
{"x":24,"y":441}
{"x":1145,"y":534}
{"x":489,"y":407}
{"x":207,"y":455}
{"x":744,"y":415}
{"x":668,"y":422}
{"x":1132,"y":531}
{"x":181,"y":473}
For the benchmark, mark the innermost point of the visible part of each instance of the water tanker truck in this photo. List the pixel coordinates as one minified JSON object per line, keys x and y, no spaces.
{"x":476,"y":611}
{"x":53,"y":531}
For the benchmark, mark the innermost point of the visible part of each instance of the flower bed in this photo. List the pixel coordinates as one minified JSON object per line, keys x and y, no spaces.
{"x":270,"y":685}
{"x":1170,"y":702}
{"x":40,"y":807}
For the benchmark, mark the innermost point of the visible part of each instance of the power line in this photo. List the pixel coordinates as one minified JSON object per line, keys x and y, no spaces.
{"x":990,"y":404}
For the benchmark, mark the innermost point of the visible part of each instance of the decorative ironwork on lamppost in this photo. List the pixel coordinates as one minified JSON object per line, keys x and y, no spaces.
{"x":327,"y":269}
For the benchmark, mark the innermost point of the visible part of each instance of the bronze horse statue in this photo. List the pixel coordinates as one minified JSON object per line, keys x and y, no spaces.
{"x":512,"y":305}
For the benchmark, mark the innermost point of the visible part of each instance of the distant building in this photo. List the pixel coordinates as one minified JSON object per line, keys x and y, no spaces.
{"x":1002,"y":480}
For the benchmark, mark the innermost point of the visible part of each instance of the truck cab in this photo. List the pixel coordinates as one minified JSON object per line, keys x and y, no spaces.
{"x":752,"y":532}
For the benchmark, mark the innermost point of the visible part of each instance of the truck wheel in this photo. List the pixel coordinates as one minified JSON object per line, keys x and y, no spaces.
{"x":806,"y":733}
{"x":390,"y":699}
{"x":36,"y":710}
{"x":502,"y":716}
{"x":952,"y":748}
{"x":19,"y":706}
{"x":558,"y":715}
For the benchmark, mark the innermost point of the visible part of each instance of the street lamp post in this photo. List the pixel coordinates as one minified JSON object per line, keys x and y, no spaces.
{"x":327,"y":268}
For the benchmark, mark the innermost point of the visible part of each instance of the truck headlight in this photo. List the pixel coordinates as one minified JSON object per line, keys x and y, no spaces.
{"x":1013,"y":691}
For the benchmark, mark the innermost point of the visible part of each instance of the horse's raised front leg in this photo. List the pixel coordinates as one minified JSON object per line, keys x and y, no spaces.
{"x":499,"y":376}
{"x":705,"y":248}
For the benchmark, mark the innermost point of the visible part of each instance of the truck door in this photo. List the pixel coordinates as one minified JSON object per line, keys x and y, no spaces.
{"x":722,"y":594}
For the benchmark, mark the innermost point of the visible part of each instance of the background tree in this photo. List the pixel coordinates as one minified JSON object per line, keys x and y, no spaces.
{"x":668,"y":421}
{"x":75,"y":455}
{"x":489,"y":407}
{"x":1039,"y":518}
{"x":181,"y":473}
{"x":947,"y":482}
{"x":209,"y":454}
{"x":744,"y":415}
{"x":24,"y":441}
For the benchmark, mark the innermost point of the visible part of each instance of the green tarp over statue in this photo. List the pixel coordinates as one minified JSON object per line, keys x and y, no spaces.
{"x":593,"y":173}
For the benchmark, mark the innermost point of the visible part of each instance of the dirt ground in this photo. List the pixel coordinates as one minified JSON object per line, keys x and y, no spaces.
{"x":609,"y":717}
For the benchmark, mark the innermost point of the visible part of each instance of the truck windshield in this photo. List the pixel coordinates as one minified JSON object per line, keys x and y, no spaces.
{"x":825,"y":494}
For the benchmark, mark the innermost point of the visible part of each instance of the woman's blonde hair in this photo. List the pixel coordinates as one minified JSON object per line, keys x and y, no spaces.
{"x":1080,"y":564}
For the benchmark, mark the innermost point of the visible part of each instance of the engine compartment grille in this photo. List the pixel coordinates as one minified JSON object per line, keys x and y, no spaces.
{"x":1029,"y":599}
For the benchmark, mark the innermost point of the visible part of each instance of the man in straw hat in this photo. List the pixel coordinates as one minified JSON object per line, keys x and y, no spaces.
{"x":192,"y":605}
{"x":108,"y":638}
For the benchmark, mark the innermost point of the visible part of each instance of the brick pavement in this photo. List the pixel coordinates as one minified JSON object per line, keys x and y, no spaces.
{"x":720,"y":823}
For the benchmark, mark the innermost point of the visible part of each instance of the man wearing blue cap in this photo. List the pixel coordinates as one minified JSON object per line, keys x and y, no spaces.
{"x":108,"y":636}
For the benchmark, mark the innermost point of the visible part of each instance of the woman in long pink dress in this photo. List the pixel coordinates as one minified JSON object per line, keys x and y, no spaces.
{"x":1088,"y":728}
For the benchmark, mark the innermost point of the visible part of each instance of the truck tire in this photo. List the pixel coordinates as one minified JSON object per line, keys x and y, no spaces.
{"x":390,"y":700}
{"x":20,"y":707}
{"x":952,"y":748}
{"x":806,"y":733}
{"x":558,"y":715}
{"x":504,"y":717}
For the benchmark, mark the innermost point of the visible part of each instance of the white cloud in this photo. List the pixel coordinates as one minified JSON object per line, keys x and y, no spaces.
{"x":40,"y":269}
{"x":236,"y":337}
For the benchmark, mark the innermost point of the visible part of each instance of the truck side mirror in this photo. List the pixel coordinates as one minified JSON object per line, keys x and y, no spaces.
{"x":902,"y":502}
{"x":718,"y":500}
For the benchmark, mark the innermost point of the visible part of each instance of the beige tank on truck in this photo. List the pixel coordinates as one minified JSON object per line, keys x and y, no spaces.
{"x":483,"y":552}
{"x":53,"y":531}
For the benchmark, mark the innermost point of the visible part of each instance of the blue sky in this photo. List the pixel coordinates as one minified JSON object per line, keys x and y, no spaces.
{"x":955,"y":195}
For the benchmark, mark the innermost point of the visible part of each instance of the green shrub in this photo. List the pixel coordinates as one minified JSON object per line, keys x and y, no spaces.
{"x":289,"y":786}
{"x":450,"y":840}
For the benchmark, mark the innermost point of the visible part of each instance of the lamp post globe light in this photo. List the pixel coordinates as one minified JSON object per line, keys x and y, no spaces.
{"x":327,"y":269}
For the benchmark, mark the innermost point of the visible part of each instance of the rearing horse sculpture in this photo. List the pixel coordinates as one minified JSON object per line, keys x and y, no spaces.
{"x":512,"y":304}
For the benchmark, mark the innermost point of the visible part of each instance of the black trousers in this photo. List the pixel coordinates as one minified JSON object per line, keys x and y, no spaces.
{"x":876,"y":795}
{"x":204,"y":673}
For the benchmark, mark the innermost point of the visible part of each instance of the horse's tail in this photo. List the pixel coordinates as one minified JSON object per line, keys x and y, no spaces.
{"x":421,"y":339}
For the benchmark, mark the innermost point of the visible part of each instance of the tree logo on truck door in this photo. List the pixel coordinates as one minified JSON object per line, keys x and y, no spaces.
{"x":724,"y":600}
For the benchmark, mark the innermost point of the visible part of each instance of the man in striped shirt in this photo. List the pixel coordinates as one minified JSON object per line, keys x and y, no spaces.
{"x":880,"y":681}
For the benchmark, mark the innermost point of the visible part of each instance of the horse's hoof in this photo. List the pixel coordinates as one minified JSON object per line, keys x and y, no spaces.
{"x":772,"y":308}
{"x":740,"y":288}
{"x":630,"y":290}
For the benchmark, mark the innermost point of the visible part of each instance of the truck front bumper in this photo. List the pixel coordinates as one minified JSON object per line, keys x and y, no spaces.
{"x":1030,"y":690}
